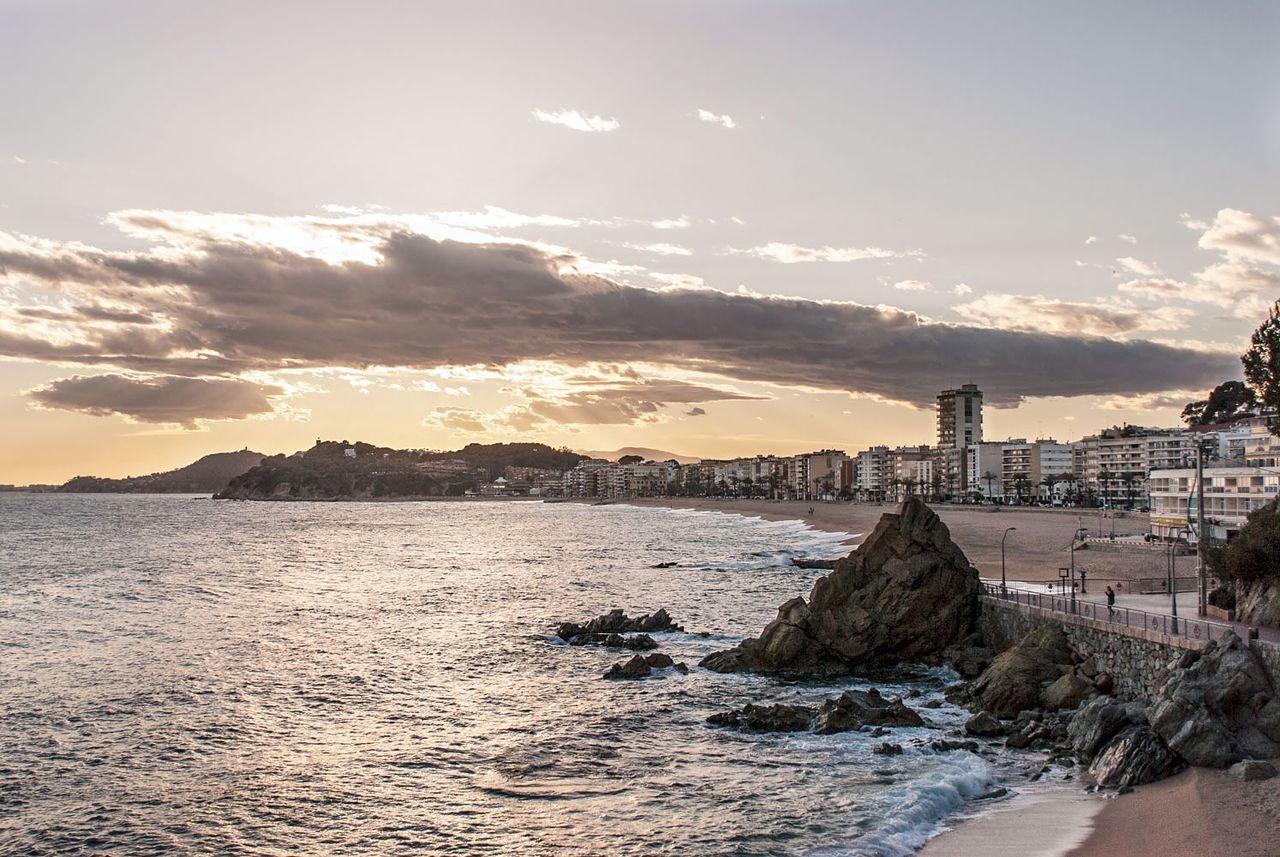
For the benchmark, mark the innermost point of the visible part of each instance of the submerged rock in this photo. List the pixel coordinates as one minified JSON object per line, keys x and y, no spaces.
{"x":854,"y":709}
{"x":638,"y":642}
{"x":767,"y":718}
{"x":907,"y":593}
{"x":1220,"y":709}
{"x":617,"y":622}
{"x":642,"y":665}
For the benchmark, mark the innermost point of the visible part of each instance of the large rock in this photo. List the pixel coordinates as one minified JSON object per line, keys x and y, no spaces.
{"x":1134,"y":757}
{"x":985,"y":725}
{"x":905,"y":594}
{"x":1099,"y":720}
{"x":854,"y":709}
{"x":1220,"y":708}
{"x":1258,"y":603}
{"x":1014,"y":680}
{"x":1067,"y":692}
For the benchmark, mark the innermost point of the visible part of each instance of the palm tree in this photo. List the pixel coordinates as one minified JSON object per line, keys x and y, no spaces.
{"x":989,"y":477}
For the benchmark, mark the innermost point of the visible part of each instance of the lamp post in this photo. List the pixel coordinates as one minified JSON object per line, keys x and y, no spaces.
{"x":1173,"y":578}
{"x":1081,"y":533}
{"x":1004,"y":585}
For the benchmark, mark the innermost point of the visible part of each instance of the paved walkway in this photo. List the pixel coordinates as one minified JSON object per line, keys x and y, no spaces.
{"x":1131,"y":609}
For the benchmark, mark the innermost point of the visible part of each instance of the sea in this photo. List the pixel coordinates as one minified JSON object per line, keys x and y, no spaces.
{"x":181,"y":675}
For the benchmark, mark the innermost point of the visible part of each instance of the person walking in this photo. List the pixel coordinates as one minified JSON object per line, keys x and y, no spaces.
{"x":1111,"y":602}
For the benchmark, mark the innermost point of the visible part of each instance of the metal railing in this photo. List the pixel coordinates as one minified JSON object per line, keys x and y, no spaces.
{"x":1193,"y":628}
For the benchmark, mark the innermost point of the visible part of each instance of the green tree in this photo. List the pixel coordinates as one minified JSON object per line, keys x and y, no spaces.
{"x":1228,"y":401}
{"x":1262,"y":365}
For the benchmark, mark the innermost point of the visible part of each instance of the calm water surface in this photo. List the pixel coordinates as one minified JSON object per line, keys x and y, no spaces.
{"x":182,"y":675}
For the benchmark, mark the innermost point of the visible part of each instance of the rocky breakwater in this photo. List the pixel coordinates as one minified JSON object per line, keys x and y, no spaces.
{"x":851,"y":711}
{"x":905,"y":595}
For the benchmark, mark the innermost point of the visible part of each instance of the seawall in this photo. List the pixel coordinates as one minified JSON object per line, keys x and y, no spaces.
{"x":1136,"y":658}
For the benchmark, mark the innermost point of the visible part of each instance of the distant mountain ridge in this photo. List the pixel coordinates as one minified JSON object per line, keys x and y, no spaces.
{"x":644,"y":452}
{"x":203,"y":476}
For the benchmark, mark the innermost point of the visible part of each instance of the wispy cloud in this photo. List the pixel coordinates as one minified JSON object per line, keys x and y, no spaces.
{"x":718,"y":118}
{"x":681,"y":222}
{"x":1129,"y":239}
{"x":1136,"y":266}
{"x":913,"y":286}
{"x":592,"y":124}
{"x":791,"y":254}
{"x":1092,"y":239}
{"x":1037,"y":313}
{"x":961,"y":289}
{"x":662,"y":249}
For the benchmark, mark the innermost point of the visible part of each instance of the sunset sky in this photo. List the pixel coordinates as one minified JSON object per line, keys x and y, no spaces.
{"x":715,"y":228}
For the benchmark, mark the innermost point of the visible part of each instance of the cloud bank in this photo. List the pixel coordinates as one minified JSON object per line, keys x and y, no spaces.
{"x":207,"y":305}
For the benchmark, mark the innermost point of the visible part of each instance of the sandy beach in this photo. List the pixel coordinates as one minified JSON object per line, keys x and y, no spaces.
{"x":1200,"y":812}
{"x":1034,"y":551}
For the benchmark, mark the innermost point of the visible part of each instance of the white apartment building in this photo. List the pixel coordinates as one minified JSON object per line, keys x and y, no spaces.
{"x":913,"y":469}
{"x":1230,"y":494}
{"x":1114,"y":464}
{"x":875,"y":471}
{"x":826,"y":472}
{"x":959,"y":429}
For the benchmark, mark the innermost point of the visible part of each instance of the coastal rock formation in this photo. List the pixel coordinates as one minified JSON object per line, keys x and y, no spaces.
{"x":1099,"y":720}
{"x":1134,"y":757}
{"x":848,"y":712}
{"x":1219,"y":708}
{"x":984,"y":725}
{"x":854,"y":709}
{"x":617,"y":622}
{"x":905,"y":594}
{"x":1017,"y":676}
{"x":1258,"y":602}
{"x":767,"y":718}
{"x":1068,"y":692}
{"x":642,"y":665}
{"x":637,"y":642}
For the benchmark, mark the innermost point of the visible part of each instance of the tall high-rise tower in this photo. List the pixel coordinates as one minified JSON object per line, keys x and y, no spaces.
{"x":960,"y":417}
{"x":959,"y":428}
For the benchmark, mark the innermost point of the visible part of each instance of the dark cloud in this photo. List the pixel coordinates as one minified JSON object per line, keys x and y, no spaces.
{"x":233,"y":307}
{"x":695,"y":412}
{"x":622,"y":404}
{"x":164,"y":399}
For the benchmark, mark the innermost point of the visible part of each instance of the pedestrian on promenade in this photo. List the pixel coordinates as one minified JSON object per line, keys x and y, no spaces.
{"x":1083,"y":573}
{"x":1111,"y":602}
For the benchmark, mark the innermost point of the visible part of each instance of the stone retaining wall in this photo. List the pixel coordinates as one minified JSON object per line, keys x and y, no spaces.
{"x":1136,"y":658}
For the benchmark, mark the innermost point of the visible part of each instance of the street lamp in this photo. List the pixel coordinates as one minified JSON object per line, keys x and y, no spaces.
{"x":1004,"y":586}
{"x":1173,"y":576}
{"x":1079,"y":535}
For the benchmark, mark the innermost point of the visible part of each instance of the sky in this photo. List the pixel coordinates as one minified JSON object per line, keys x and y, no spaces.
{"x":714,"y":228}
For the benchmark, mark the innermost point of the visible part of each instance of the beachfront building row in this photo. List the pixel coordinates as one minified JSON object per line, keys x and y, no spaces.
{"x":1230,"y":494}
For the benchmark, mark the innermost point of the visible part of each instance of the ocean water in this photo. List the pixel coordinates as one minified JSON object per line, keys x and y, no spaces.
{"x":179,"y":675}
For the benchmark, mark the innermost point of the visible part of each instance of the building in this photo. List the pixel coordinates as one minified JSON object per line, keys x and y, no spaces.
{"x":959,"y":428}
{"x":1112,"y":466}
{"x":874,"y":472}
{"x":825,"y":473}
{"x":913,"y":470}
{"x":1230,"y":494}
{"x":1051,"y":469}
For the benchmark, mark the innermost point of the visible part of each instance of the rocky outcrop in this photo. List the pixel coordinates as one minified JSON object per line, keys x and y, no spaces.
{"x":1258,"y":602}
{"x":617,"y":622}
{"x":1251,"y":771}
{"x":905,"y":594}
{"x":1098,"y":721}
{"x":848,"y":712}
{"x":1067,"y":692}
{"x":642,"y":665}
{"x":767,"y":718}
{"x":1134,"y":757}
{"x":854,"y":709}
{"x":1219,"y":707}
{"x":985,"y":725}
{"x":636,"y":642}
{"x":1017,"y":676}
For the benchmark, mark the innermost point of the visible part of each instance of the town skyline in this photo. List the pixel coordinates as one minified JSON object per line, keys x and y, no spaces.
{"x":656,"y":240}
